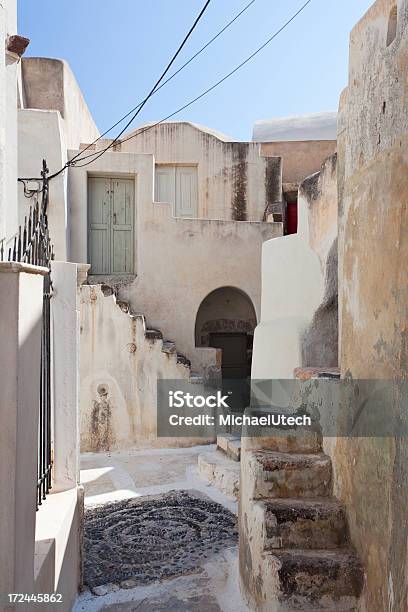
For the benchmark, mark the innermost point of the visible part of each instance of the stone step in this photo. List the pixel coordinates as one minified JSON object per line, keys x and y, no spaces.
{"x":124,"y":306}
{"x":153,"y":334}
{"x":304,"y":523}
{"x":230,"y":445}
{"x":300,"y":440}
{"x":313,"y":580}
{"x":183,"y":360}
{"x":283,"y":475}
{"x":168,"y":347}
{"x":218,"y":470}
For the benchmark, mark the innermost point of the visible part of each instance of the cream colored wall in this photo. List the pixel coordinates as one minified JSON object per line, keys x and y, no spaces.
{"x":321,"y":191}
{"x":231,"y":175}
{"x":299,"y":158}
{"x":178,"y":261}
{"x":55,"y":117}
{"x":120,"y":368}
{"x":49,"y":84}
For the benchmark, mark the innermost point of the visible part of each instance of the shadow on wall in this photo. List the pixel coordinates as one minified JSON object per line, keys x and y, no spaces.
{"x":320,"y":342}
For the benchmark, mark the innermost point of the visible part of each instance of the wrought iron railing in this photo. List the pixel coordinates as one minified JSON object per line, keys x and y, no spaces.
{"x":32,"y":245}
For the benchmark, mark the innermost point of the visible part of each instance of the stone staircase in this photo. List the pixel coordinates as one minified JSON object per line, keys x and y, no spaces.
{"x":295,"y":552}
{"x":153,"y":335}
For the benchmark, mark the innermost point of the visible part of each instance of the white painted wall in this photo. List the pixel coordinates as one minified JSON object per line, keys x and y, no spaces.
{"x":20,"y":331}
{"x":298,"y":277}
{"x":54,"y":118}
{"x":65,"y":364}
{"x":292,"y":289}
{"x":41,"y":136}
{"x":8,"y":123}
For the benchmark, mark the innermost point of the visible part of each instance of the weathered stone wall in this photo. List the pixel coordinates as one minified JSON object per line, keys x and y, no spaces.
{"x":298,"y":326}
{"x":371,"y":474}
{"x":320,"y":341}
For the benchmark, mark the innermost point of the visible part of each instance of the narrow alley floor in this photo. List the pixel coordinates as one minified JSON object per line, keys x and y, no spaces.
{"x":157,"y":537}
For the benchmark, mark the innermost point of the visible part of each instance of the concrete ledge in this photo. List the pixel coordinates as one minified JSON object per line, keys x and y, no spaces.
{"x":17,"y":267}
{"x":44,"y":566}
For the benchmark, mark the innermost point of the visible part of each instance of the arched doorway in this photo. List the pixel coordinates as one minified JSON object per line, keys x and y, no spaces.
{"x":226,"y":320}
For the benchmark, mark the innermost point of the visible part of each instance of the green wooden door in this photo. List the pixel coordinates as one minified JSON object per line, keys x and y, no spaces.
{"x":111,"y":225}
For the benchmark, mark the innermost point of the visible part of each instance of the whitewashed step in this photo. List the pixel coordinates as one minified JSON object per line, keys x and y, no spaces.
{"x":283,"y":475}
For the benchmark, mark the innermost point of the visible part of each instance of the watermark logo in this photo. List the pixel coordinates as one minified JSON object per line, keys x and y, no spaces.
{"x":181,"y":399}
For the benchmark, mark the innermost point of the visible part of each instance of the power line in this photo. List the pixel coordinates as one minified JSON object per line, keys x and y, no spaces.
{"x":169,"y":65}
{"x":204,"y":93}
{"x":193,"y":57}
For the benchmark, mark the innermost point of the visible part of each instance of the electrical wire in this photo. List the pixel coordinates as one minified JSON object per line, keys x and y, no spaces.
{"x":204,"y":93}
{"x":169,"y":65}
{"x":193,"y":57}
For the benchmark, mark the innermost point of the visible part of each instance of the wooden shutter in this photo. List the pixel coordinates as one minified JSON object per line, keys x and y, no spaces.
{"x":99,"y":225}
{"x":186,"y":191}
{"x":122,"y":226}
{"x":165,"y":188}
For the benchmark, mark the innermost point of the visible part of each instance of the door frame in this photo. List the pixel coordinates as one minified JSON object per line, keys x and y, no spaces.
{"x":114,"y":176}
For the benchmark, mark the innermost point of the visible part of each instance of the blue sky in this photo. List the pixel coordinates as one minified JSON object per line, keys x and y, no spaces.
{"x":118,"y":49}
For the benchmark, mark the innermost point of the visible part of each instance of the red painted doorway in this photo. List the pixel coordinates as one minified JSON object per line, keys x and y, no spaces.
{"x":291,"y":217}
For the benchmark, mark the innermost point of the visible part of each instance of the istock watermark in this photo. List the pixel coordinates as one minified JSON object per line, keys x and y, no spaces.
{"x":324,"y":407}
{"x":179,"y":399}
